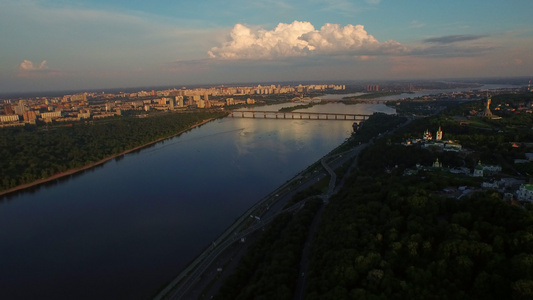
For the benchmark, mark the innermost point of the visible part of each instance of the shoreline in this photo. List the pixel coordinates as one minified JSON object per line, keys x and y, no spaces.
{"x":69,"y":172}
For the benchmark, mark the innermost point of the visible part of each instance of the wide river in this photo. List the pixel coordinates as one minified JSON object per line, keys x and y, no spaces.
{"x":120,"y":231}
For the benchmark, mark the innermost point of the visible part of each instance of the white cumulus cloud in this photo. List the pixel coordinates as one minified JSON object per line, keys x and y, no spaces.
{"x":349,"y":40}
{"x":302,"y":39}
{"x":28,"y":69}
{"x":283,"y":41}
{"x":27,"y":65}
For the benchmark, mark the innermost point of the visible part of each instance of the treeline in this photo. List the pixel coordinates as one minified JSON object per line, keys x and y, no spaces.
{"x":374,"y":126}
{"x":30,"y":153}
{"x":269,"y":270}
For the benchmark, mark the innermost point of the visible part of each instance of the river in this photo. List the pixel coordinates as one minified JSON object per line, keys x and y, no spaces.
{"x":121,"y":230}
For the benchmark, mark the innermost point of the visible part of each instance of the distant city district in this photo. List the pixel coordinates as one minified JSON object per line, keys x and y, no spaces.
{"x":86,"y":106}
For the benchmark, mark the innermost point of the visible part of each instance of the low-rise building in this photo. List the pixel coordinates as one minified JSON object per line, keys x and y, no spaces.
{"x":9,"y":118}
{"x":51,"y":115}
{"x":525,"y":193}
{"x":452,"y":146}
{"x":29,"y":116}
{"x":481,"y":170}
{"x":84,"y":115}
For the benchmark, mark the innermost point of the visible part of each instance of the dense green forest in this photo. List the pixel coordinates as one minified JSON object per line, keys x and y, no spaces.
{"x":34,"y":152}
{"x":389,"y":237}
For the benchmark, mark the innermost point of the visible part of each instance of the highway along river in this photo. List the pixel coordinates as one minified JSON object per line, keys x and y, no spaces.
{"x":120,"y":231}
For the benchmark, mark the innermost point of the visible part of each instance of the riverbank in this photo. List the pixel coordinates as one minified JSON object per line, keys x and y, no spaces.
{"x":98,"y":163}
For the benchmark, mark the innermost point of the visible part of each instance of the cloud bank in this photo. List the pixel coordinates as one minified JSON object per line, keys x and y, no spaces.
{"x":453,"y":39}
{"x":300,"y":39}
{"x":454,"y":46}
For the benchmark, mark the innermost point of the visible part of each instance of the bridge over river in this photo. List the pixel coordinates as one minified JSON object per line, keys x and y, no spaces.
{"x":297,"y":115}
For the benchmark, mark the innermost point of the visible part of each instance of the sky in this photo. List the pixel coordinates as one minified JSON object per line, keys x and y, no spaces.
{"x":98,"y":44}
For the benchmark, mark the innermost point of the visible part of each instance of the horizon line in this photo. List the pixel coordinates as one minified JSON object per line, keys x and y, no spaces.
{"x":329,"y":81}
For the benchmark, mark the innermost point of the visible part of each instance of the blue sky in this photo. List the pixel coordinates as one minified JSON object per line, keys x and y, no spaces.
{"x":82,"y":44}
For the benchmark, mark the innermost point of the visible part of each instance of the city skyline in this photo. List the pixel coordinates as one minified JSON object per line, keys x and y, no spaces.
{"x":68,"y":45}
